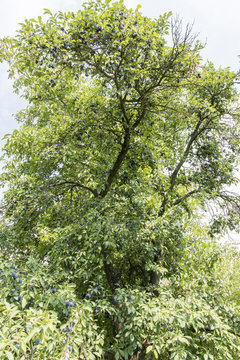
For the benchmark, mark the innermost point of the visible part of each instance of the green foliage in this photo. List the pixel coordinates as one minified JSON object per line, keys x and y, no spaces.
{"x":191,"y":318}
{"x":229,"y":271}
{"x":33,"y":307}
{"x":125,"y":139}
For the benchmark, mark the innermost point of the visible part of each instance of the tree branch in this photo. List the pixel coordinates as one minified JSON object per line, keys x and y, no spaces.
{"x":74,"y":184}
{"x":197,"y":131}
{"x":117,"y":164}
{"x":185,"y":197}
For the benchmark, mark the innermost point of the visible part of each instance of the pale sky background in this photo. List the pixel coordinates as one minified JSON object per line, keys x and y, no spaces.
{"x":215,"y":21}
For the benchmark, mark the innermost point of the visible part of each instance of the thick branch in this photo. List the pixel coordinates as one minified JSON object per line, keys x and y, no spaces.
{"x":117,"y":164}
{"x":109,"y":272}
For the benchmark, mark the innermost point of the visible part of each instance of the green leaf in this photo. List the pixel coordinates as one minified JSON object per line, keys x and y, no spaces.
{"x":24,"y":302}
{"x":149,"y":349}
{"x":47,"y":11}
{"x":9,"y":355}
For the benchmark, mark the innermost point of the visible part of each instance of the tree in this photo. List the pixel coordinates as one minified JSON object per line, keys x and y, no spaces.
{"x":124,"y":139}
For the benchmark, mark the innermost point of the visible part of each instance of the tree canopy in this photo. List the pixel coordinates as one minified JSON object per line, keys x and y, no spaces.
{"x":127,"y":137}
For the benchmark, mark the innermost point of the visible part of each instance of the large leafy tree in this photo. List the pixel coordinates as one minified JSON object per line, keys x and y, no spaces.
{"x":126,"y":135}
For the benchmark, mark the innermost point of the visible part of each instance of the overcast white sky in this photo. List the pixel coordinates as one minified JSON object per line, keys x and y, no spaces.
{"x":216,"y":22}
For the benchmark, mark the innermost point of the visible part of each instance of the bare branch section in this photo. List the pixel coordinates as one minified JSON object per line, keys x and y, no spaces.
{"x":231,"y":201}
{"x":177,"y":30}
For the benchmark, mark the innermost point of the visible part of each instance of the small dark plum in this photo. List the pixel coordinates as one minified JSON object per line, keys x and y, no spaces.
{"x":37,"y":341}
{"x":52,"y":83}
